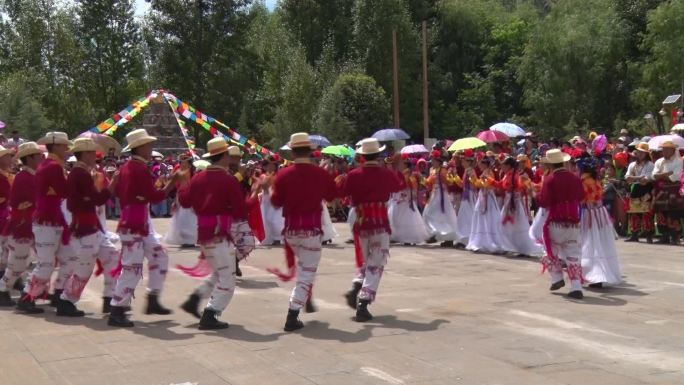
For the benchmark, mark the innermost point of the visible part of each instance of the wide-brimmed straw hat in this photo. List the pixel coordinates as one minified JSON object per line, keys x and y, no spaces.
{"x":299,"y":140}
{"x":4,"y":151}
{"x":668,"y":144}
{"x":85,"y":145}
{"x":555,"y":156}
{"x":370,"y":146}
{"x":234,"y":151}
{"x":643,"y":147}
{"x":137,"y":138}
{"x":55,"y":137}
{"x":216,"y":146}
{"x":27,"y":149}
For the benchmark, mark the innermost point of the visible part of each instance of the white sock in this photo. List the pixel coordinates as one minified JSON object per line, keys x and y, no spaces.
{"x":575,"y":285}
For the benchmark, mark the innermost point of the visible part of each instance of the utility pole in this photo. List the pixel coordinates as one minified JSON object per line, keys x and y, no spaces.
{"x":426,"y":115}
{"x":395,"y":73}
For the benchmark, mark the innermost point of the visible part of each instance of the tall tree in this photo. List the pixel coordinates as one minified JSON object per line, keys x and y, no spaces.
{"x":111,"y":38}
{"x":573,"y":67}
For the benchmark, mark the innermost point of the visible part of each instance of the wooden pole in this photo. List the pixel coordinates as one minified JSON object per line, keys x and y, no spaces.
{"x":395,"y":73}
{"x":426,"y":115}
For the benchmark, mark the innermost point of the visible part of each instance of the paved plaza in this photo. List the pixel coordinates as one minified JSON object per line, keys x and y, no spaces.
{"x":443,"y":316}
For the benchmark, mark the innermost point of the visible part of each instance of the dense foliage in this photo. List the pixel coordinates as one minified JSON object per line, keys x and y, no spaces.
{"x":554,"y":66}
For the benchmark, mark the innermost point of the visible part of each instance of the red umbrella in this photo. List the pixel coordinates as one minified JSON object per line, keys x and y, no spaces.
{"x":490,"y":136}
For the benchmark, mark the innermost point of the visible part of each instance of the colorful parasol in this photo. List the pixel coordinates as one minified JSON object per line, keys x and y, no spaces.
{"x":390,"y":134}
{"x":106,"y":142}
{"x":414,"y":149}
{"x":656,"y":142}
{"x":338,"y":150}
{"x":466,"y":143}
{"x":490,"y":136}
{"x":509,"y":129}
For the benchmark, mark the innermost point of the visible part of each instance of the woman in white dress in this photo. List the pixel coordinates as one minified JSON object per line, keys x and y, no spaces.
{"x":485,"y":233}
{"x":273,"y":217}
{"x":515,"y":215}
{"x":464,"y":218}
{"x":600,"y":264}
{"x":405,"y":220}
{"x":439,"y":215}
{"x":183,"y":229}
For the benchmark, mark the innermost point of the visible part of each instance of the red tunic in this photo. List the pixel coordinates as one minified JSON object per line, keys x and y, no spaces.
{"x":561,"y":194}
{"x":370,"y":188}
{"x":22,"y":205}
{"x":51,"y":189}
{"x":216,"y":197}
{"x":300,"y":191}
{"x":135,"y":190}
{"x":5,"y":188}
{"x":82,"y":201}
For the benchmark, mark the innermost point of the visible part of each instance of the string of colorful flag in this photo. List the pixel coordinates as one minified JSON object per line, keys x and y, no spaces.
{"x":184,"y":130}
{"x":180,"y":108}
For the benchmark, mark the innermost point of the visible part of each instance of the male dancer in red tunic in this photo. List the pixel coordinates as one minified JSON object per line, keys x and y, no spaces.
{"x":49,"y":226}
{"x":216,"y":197}
{"x":135,"y":190}
{"x":370,"y":187}
{"x":299,"y":190}
{"x":22,"y":202}
{"x":87,"y":232}
{"x":5,"y":186}
{"x":561,"y":194}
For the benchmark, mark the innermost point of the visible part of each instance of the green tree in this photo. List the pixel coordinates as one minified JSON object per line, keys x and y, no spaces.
{"x":110,"y":38}
{"x":353,"y":108}
{"x":21,"y":109}
{"x":573,"y":67}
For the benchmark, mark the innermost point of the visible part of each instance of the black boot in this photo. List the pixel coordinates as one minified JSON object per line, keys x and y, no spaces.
{"x":633,"y":238}
{"x":310,"y":307}
{"x":6,"y":300}
{"x":577,"y":294}
{"x":118,"y":318}
{"x":362,"y":313}
{"x":154,"y":307}
{"x":106,"y":305}
{"x":54,"y":298}
{"x":649,"y":238}
{"x":67,"y":309}
{"x":664,"y":238}
{"x":191,"y":305}
{"x":557,"y":285}
{"x":18,"y":285}
{"x":293,"y":323}
{"x":674,"y":237}
{"x":210,"y":321}
{"x":447,"y":244}
{"x":28,"y":306}
{"x":353,"y":294}
{"x":238,"y":272}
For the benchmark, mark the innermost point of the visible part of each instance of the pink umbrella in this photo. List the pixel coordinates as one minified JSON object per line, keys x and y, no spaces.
{"x":599,"y":143}
{"x":415,"y":149}
{"x":2,"y":124}
{"x":490,"y":136}
{"x":655,"y":143}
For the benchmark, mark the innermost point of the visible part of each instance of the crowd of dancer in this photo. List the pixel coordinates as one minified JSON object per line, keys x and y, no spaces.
{"x":550,"y":201}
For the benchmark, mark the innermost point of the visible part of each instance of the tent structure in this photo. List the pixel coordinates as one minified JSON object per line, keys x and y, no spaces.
{"x":182,"y":112}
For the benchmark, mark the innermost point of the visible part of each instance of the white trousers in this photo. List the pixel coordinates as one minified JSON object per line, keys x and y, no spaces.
{"x":375,"y":250}
{"x":4,"y":252}
{"x":307,"y":248}
{"x":135,"y":248}
{"x":17,"y":261}
{"x":220,"y":285}
{"x":87,"y":249}
{"x":109,"y":257}
{"x":49,"y":248}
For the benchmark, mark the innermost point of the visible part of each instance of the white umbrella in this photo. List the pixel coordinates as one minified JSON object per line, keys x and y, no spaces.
{"x":511,"y":130}
{"x":156,"y":154}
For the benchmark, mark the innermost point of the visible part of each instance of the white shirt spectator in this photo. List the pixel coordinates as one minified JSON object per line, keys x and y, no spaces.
{"x":674,"y":165}
{"x":637,"y":170}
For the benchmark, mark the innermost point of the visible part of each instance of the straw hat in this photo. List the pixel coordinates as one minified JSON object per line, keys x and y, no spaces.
{"x":234,"y":151}
{"x":668,"y":144}
{"x":643,"y":147}
{"x":624,"y":131}
{"x":85,"y":145}
{"x":299,"y":140}
{"x":555,"y":156}
{"x":55,"y":137}
{"x":370,"y":146}
{"x":137,"y":138}
{"x":216,"y":146}
{"x":28,"y":148}
{"x":4,"y":151}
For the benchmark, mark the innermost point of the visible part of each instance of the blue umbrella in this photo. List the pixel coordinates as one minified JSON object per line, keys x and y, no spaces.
{"x":319,"y":140}
{"x":390,"y":134}
{"x":511,"y":130}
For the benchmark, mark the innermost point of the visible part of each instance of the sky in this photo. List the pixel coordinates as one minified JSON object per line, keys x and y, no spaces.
{"x":141,"y":6}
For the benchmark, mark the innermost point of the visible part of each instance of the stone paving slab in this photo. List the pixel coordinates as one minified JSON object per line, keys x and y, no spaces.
{"x":443,"y":316}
